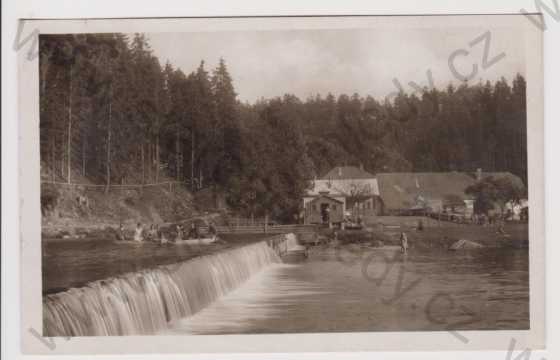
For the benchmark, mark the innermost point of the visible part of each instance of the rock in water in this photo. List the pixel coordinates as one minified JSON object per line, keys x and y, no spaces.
{"x":465,"y":244}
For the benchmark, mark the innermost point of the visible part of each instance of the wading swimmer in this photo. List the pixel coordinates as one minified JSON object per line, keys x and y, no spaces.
{"x":120,"y":233}
{"x":404,"y":243}
{"x":179,"y":233}
{"x":212,"y":230}
{"x":152,"y":233}
{"x":138,"y":236}
{"x":160,"y":236}
{"x":193,"y":233}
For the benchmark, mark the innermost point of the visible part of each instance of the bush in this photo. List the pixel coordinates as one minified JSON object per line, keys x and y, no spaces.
{"x":49,"y":198}
{"x":360,"y":236}
{"x":130,"y":201}
{"x":354,"y":236}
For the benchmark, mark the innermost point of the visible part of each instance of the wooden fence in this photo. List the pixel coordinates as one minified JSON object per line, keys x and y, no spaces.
{"x":168,"y":184}
{"x":394,"y":225}
{"x":241,"y":221}
{"x":257,"y":229}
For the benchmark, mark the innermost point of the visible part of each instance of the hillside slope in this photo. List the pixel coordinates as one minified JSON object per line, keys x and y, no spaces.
{"x":88,"y":205}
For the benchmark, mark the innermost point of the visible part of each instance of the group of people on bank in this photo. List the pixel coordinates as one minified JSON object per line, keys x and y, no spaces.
{"x":155,"y":233}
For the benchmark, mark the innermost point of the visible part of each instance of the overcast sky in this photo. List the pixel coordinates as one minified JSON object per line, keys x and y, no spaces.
{"x":309,"y":62}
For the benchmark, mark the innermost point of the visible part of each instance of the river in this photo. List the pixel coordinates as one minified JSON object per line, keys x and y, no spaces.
{"x":350,"y":288}
{"x":337,"y":291}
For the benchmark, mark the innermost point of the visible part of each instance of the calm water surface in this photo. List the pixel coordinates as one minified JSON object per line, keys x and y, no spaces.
{"x":436,"y":290}
{"x":73,"y":263}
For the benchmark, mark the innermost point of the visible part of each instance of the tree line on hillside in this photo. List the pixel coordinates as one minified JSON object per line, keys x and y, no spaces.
{"x":111,"y":113}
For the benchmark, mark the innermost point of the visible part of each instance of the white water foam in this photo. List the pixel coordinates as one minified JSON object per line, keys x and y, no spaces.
{"x":145,"y":302}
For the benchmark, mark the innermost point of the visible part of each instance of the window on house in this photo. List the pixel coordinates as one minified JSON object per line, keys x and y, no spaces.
{"x":314,"y":207}
{"x":334,"y":207}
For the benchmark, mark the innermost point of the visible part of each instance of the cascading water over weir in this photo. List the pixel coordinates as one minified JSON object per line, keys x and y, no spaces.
{"x":145,"y":302}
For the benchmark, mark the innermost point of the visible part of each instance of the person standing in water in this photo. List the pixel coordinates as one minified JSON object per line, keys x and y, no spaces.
{"x":160,"y":236}
{"x":138,"y":233}
{"x":151,"y":233}
{"x":404,"y":243}
{"x":120,"y":233}
{"x":212,"y":230}
{"x":193,"y":233}
{"x":179,"y":233}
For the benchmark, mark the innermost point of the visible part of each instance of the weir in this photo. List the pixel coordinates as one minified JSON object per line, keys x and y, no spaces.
{"x":144,"y":302}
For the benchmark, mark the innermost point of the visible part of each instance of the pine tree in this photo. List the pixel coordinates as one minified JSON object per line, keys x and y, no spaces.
{"x":227,"y":132}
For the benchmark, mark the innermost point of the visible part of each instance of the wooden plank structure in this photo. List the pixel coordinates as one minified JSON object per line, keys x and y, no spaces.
{"x":263,"y":229}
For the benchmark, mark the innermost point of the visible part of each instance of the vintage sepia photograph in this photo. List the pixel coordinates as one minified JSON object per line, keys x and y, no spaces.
{"x":286,"y":180}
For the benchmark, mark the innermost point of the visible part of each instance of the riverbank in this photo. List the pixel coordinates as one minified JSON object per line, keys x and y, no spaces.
{"x":441,"y":236}
{"x":515,"y":235}
{"x":77,"y":211}
{"x":108,"y":230}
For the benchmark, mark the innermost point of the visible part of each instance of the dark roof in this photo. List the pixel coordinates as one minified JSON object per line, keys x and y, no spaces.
{"x":321,"y":196}
{"x":516,"y":180}
{"x":347,"y":172}
{"x":403,"y":190}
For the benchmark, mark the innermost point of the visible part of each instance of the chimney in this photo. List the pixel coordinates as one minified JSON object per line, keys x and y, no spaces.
{"x":478,"y":174}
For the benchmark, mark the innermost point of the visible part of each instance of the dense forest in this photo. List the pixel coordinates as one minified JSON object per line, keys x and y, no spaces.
{"x":111,"y":113}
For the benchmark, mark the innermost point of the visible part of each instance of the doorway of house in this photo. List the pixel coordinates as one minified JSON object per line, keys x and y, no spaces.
{"x":325,"y":213}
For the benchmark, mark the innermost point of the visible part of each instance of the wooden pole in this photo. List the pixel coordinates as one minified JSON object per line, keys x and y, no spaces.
{"x":84,"y":156}
{"x":192,"y":159}
{"x":157,"y":158}
{"x":109,"y":139}
{"x":53,"y":157}
{"x":69,"y":141}
{"x":177,"y":151}
{"x":143,"y":164}
{"x":266,"y":222}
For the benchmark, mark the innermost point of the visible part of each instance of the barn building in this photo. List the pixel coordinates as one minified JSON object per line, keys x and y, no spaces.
{"x":431,"y":192}
{"x":351,"y":193}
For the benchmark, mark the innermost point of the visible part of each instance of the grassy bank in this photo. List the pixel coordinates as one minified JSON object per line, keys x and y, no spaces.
{"x":516,"y":235}
{"x":442,"y":236}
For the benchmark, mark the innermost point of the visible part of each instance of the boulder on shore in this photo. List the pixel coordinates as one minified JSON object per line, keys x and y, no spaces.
{"x":465,"y":244}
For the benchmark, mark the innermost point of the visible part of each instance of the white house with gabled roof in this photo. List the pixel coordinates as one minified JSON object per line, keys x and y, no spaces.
{"x":353,"y":188}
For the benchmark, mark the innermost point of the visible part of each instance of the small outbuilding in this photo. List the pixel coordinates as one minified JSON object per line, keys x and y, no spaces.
{"x":324,"y":209}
